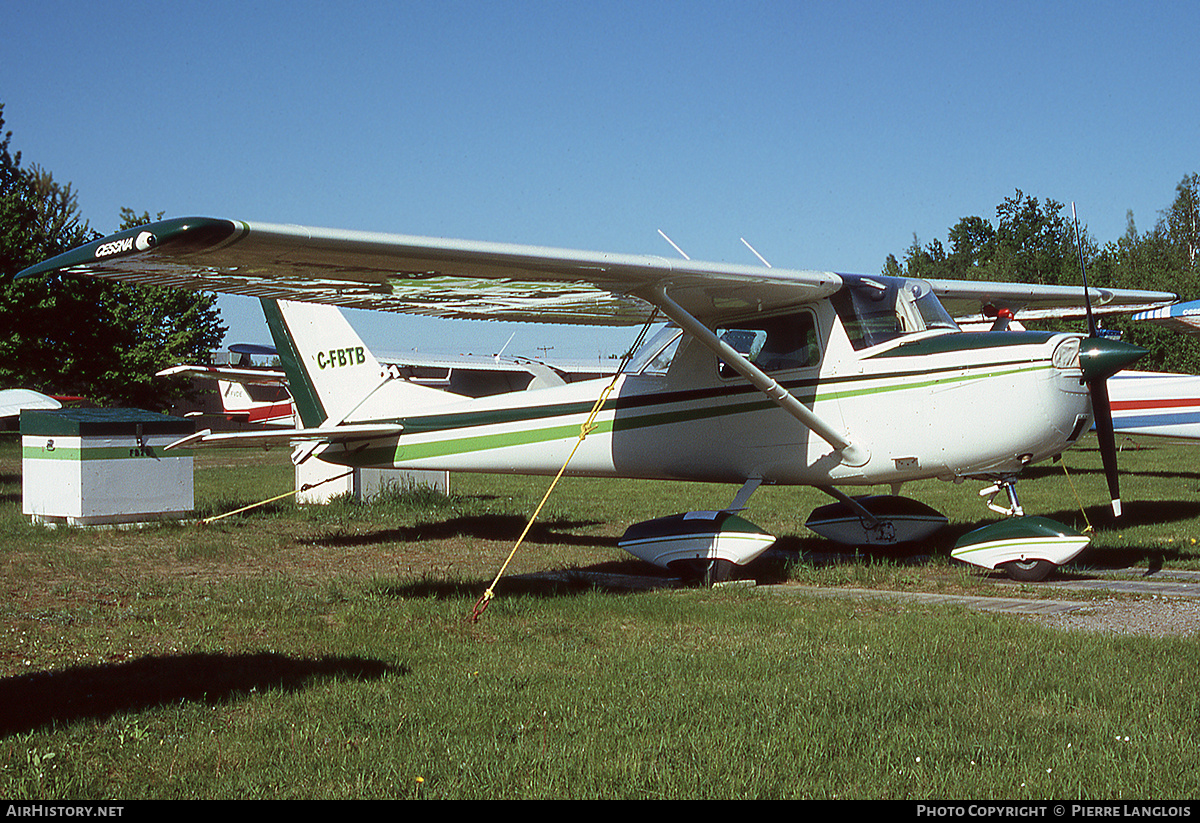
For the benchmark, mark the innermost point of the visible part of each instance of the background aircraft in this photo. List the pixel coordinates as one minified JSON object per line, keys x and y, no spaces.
{"x":1156,"y":404}
{"x":12,"y":401}
{"x":467,"y":375}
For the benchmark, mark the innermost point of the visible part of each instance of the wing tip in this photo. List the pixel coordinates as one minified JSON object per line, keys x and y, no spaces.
{"x":184,"y":234}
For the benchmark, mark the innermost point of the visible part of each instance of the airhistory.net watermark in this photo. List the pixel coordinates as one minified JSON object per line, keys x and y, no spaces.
{"x":61,"y":810}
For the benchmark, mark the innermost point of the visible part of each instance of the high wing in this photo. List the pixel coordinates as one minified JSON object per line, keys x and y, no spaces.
{"x":480,"y":280}
{"x":1181,"y":317}
{"x":429,"y":276}
{"x":12,"y":401}
{"x":971,"y":297}
{"x":232,"y":374}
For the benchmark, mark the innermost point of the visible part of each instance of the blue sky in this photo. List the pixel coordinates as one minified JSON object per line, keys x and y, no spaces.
{"x":825,"y":134}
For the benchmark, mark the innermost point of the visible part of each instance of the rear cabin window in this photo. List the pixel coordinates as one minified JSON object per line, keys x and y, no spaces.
{"x":774,"y":344}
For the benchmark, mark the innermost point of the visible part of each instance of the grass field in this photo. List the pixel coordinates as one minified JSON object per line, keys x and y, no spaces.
{"x":326,"y":652}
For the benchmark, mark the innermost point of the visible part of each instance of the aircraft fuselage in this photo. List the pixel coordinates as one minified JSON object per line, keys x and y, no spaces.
{"x":938,"y":403}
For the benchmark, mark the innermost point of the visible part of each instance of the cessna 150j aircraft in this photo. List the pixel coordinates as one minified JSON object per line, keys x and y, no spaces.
{"x":762,"y":376}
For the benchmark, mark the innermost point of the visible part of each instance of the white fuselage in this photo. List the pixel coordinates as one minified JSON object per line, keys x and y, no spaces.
{"x":933,"y":404}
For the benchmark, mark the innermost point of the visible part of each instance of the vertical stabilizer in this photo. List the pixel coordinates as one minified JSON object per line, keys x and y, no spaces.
{"x":234,"y":397}
{"x":332,"y":375}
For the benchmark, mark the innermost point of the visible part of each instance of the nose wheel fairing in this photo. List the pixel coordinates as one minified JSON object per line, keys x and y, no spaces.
{"x":1018,"y":544}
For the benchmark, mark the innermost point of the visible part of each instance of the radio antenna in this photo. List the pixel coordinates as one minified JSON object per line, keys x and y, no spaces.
{"x":1087,"y":300}
{"x":756,"y":254}
{"x":672,"y":242}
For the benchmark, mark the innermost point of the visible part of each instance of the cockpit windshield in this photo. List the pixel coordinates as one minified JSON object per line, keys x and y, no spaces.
{"x":874,"y":310}
{"x":656,"y":354}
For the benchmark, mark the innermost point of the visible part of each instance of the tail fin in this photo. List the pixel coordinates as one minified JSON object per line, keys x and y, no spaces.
{"x":234,"y":397}
{"x":332,"y":375}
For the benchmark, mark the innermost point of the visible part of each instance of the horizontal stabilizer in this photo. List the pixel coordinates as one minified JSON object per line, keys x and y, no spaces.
{"x":285,"y":437}
{"x":232,"y":374}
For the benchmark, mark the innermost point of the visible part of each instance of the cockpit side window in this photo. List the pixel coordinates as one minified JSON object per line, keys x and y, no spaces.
{"x":774,"y":344}
{"x":874,"y":310}
{"x":655,"y":356}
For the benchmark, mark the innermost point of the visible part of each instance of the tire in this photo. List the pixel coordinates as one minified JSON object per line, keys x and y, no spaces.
{"x":718,"y":571}
{"x":703,"y":572}
{"x":1029,"y":571}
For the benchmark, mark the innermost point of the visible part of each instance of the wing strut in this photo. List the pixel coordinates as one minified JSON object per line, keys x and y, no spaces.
{"x":852,"y":454}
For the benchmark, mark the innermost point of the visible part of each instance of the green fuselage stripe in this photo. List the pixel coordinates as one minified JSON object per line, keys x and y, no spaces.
{"x":804,"y":390}
{"x":921,"y":384}
{"x":628,"y":419}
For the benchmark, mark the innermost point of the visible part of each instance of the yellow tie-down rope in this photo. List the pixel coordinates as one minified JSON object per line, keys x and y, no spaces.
{"x":303,"y":488}
{"x":588,"y":426}
{"x":1088,"y":528}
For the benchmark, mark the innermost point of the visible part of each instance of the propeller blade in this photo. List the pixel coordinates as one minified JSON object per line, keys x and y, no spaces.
{"x":1101,"y":358}
{"x":1102,"y":412}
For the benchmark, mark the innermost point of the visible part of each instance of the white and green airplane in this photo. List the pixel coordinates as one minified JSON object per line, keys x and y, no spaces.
{"x":758,"y":375}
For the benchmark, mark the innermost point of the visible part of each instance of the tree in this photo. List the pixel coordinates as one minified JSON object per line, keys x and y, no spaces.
{"x":927,"y":261}
{"x":81,"y":336}
{"x":1154,"y":260}
{"x":1034,"y":242}
{"x":38,"y":217}
{"x":1181,"y":223}
{"x":972,"y":246}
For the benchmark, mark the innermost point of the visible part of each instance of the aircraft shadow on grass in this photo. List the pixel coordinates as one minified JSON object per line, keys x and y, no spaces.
{"x":627,"y":576}
{"x":1137,"y":513}
{"x":480,"y":527}
{"x":1054,"y":469}
{"x":82,"y":693}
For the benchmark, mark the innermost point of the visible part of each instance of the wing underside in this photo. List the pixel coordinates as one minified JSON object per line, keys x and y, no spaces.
{"x":428,"y":276}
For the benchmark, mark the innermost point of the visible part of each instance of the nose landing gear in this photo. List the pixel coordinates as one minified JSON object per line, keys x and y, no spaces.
{"x":1026,"y":548}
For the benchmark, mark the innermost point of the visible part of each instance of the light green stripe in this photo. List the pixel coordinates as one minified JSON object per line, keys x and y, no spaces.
{"x":902,"y":386}
{"x":101,"y":453}
{"x":525,"y":437}
{"x":1032,"y":543}
{"x":500,"y":440}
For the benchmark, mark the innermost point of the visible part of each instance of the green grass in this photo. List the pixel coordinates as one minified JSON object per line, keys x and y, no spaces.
{"x":326,"y":652}
{"x":696,"y":694}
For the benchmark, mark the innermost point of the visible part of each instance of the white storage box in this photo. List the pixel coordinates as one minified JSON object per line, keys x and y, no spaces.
{"x":91,"y":467}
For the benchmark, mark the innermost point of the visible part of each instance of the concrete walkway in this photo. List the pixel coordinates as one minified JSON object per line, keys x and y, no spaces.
{"x":1012,"y":605}
{"x":1161,"y":583}
{"x":1015,"y":605}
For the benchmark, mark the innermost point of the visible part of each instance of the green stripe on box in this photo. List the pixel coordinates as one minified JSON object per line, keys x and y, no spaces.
{"x":102,"y":453}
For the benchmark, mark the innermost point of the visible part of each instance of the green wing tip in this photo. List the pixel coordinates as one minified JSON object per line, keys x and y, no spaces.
{"x":182,"y":233}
